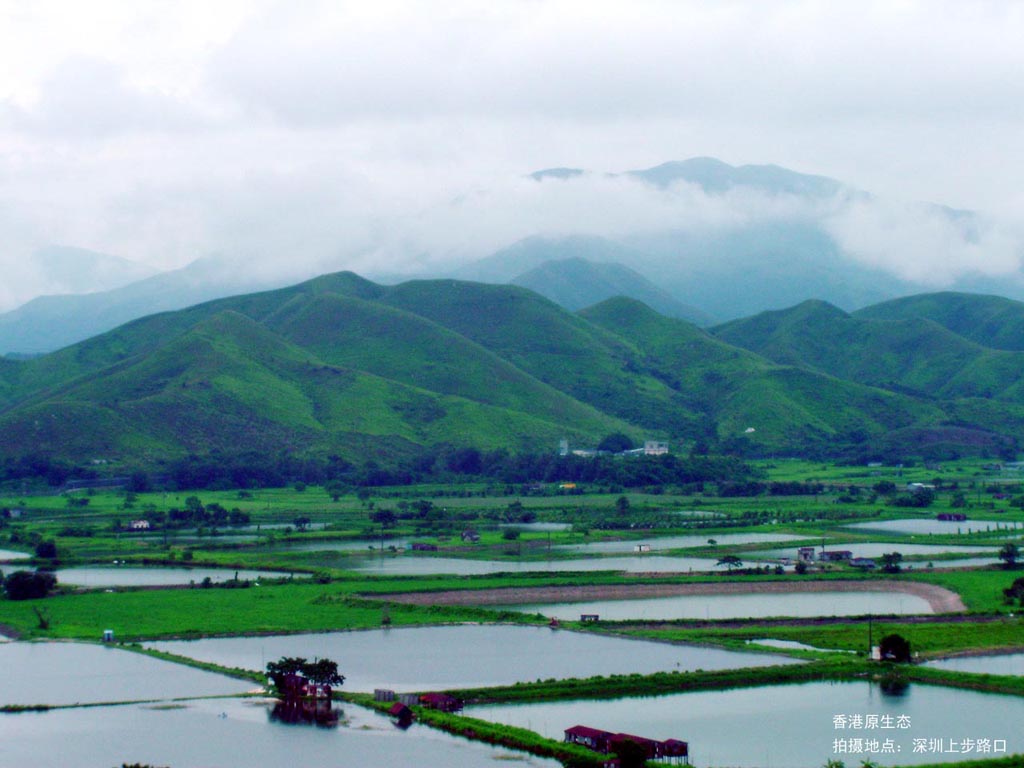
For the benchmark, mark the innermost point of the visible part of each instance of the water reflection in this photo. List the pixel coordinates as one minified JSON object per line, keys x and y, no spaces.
{"x":319,"y":712}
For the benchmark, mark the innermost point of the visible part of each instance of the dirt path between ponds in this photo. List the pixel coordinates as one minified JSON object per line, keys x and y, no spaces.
{"x":940,"y":599}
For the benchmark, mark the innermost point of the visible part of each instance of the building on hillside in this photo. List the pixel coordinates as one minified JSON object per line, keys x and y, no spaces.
{"x":139,"y":525}
{"x":951,"y":517}
{"x":805,"y":554}
{"x":655,"y":447}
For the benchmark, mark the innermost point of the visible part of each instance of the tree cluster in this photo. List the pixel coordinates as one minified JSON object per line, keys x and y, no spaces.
{"x":29,"y":585}
{"x":321,"y":671}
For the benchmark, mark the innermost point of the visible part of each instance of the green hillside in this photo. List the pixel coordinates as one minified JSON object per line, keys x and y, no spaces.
{"x":304,"y":370}
{"x":910,"y":354}
{"x":991,"y":321}
{"x":342,"y":366}
{"x":748,"y":398}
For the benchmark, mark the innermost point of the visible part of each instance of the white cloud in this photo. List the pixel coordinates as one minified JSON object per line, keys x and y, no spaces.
{"x":327,"y":134}
{"x":925,"y":244}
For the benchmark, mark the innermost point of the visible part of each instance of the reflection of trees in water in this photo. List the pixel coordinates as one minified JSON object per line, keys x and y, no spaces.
{"x":894,"y":684}
{"x":318,"y":712}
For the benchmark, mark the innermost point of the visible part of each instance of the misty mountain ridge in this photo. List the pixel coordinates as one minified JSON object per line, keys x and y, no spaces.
{"x":705,"y":272}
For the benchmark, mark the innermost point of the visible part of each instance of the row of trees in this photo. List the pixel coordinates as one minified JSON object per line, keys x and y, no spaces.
{"x":218,"y":471}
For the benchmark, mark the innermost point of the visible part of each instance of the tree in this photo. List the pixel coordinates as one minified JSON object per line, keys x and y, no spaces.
{"x":514,"y":511}
{"x":730,"y":561}
{"x":1015,"y":591}
{"x":894,"y":648}
{"x":286,"y":665}
{"x":301,"y":523}
{"x":385,"y":518}
{"x":26,"y":585}
{"x":324,"y":672}
{"x":47,"y":550}
{"x":622,"y":505}
{"x":335,"y":489}
{"x":1009,"y":553}
{"x":891,"y":562}
{"x":321,"y":671}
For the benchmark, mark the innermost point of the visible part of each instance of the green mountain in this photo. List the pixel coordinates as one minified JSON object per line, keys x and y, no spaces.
{"x":747,"y":398}
{"x":991,"y":321}
{"x":341,"y":365}
{"x":910,"y":355}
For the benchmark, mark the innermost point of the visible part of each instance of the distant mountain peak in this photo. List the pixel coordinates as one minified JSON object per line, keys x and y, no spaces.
{"x":556,"y":173}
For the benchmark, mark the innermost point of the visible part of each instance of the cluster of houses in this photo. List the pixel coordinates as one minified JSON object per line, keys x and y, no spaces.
{"x":651,"y":448}
{"x":671,"y":750}
{"x":811,"y":554}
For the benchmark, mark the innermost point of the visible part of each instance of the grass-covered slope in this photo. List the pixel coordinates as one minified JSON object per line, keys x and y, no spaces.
{"x":590,"y":363}
{"x":340,"y":365}
{"x":991,"y":321}
{"x":737,"y":390}
{"x":909,"y":354}
{"x":301,"y":370}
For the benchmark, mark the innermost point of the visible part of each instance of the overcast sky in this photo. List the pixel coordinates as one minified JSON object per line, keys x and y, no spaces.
{"x":339,"y":133}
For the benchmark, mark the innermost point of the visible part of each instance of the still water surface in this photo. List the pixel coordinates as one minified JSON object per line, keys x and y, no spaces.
{"x":679,"y":542}
{"x":432,"y":658}
{"x":877,"y":549}
{"x":996,"y":664}
{"x":411,"y":565}
{"x":10,"y":554}
{"x":70,"y":673}
{"x":232,"y":733}
{"x":785,"y":726}
{"x":738,"y":606}
{"x":914,"y":526}
{"x":128,"y":576}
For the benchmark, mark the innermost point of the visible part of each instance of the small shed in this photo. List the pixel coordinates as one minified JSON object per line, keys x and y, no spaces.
{"x":400,"y":711}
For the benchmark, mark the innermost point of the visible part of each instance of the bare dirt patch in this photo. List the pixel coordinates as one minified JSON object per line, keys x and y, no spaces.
{"x":941,"y":600}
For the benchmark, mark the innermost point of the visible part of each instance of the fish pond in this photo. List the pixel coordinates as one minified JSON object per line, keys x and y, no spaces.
{"x":431,"y":658}
{"x":129,"y":576}
{"x":412,"y":565}
{"x":679,"y":542}
{"x":878,"y":548}
{"x":919,"y":526}
{"x":795,"y":726}
{"x":79,"y":673}
{"x":234,"y":733}
{"x":755,"y":606}
{"x":995,"y":664}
